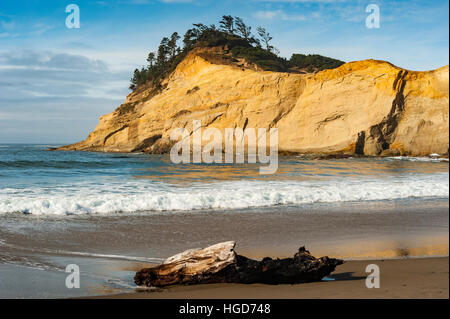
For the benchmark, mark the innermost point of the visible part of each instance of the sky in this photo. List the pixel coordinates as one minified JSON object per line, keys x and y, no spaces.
{"x":55,"y":82}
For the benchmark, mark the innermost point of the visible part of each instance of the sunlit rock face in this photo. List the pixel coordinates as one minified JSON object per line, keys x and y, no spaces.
{"x":366,"y":107}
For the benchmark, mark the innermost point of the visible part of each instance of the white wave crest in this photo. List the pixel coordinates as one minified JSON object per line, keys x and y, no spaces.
{"x":432,"y":158}
{"x":145,"y":195}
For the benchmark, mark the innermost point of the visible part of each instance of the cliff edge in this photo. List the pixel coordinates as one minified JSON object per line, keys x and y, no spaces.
{"x":366,"y":107}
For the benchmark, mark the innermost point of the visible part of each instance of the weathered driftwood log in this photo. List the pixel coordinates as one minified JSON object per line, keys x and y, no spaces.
{"x":220,"y":264}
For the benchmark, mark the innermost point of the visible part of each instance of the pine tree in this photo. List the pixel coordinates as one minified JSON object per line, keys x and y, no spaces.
{"x":173,"y":44}
{"x":163,"y":52}
{"x":227,"y":24}
{"x":242,"y":28}
{"x":266,"y":38}
{"x":151,"y":59}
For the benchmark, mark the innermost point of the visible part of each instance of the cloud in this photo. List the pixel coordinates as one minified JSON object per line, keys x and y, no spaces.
{"x":140,"y":1}
{"x":40,"y":90}
{"x":51,"y":120}
{"x":47,"y":61}
{"x":176,"y":1}
{"x":301,"y":1}
{"x":152,"y":2}
{"x":28,"y":75}
{"x":7,"y":25}
{"x":8,"y":35}
{"x":78,"y":45}
{"x":278,"y":14}
{"x":40,"y":28}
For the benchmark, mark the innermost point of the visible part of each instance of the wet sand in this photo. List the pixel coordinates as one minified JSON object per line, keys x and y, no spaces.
{"x":400,"y":278}
{"x":35,"y":251}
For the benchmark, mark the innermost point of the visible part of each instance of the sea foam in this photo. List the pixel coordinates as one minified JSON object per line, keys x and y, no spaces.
{"x":146,"y":195}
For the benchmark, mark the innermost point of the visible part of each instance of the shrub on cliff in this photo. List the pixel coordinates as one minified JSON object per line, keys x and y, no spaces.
{"x":313,"y":61}
{"x":261,"y":57}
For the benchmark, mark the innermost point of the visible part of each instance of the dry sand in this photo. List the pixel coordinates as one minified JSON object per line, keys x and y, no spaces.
{"x":401,"y":278}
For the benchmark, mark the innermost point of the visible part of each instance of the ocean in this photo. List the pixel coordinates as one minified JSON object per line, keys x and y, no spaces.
{"x":35,"y":181}
{"x":113,"y":213}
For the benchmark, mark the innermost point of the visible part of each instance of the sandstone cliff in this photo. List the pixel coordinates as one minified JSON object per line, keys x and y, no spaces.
{"x":366,"y":107}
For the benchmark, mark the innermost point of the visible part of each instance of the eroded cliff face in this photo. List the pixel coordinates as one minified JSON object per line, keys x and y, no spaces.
{"x":366,"y":107}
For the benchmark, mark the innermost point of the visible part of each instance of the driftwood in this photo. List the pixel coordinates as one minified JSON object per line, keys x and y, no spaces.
{"x":220,"y":264}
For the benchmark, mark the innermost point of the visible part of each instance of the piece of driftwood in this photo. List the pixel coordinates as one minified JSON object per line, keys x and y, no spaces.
{"x":220,"y":264}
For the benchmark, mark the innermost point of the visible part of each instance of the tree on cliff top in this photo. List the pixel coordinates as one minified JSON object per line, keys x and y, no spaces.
{"x":266,"y":38}
{"x":227,"y":24}
{"x":236,"y":36}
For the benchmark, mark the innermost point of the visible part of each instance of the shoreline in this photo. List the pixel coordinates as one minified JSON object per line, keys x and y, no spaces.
{"x":399,"y":278}
{"x":282,"y":153}
{"x":356,"y":232}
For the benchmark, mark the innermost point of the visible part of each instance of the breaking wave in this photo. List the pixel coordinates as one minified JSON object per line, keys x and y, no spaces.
{"x":145,"y":195}
{"x":418,"y":159}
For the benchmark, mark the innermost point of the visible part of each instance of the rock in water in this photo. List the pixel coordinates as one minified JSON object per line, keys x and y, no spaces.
{"x":220,"y":264}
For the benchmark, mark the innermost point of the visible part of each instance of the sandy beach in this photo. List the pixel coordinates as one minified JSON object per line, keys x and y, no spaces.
{"x":402,"y":278}
{"x":35,"y":251}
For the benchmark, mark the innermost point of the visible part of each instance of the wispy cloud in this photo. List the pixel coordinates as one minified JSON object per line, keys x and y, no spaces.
{"x":40,"y":28}
{"x":41,"y":74}
{"x":176,"y":1}
{"x":5,"y":25}
{"x":48,"y":61}
{"x":40,"y":89}
{"x":301,"y":1}
{"x":8,"y":35}
{"x":152,"y":2}
{"x":278,"y":14}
